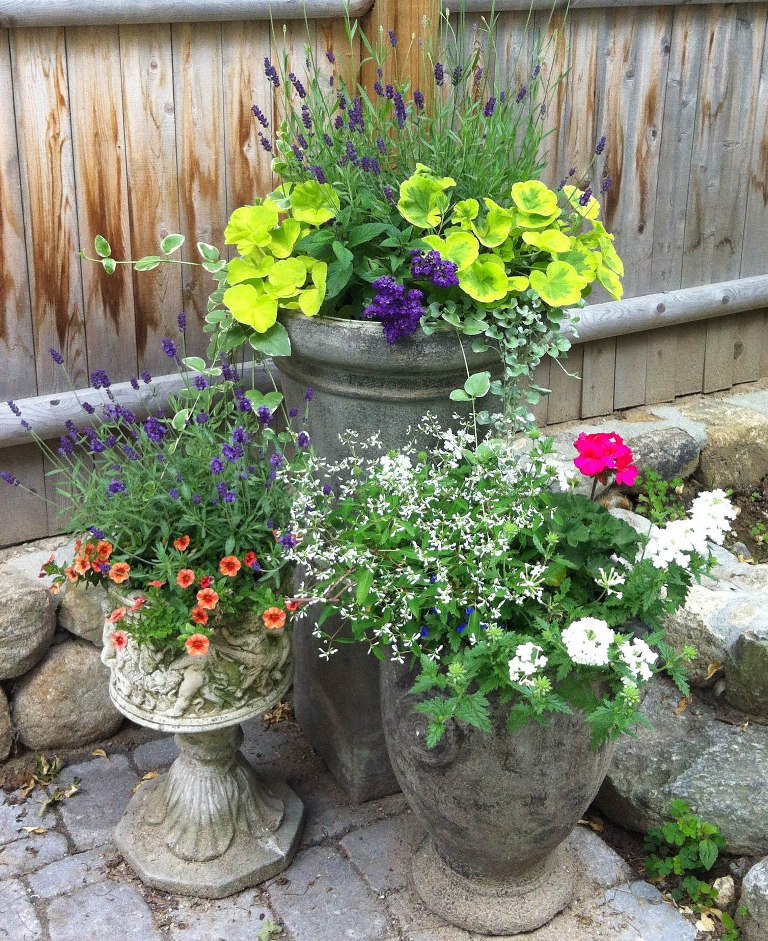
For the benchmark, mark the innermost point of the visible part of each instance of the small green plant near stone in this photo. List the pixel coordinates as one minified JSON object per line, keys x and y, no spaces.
{"x":730,"y":931}
{"x":660,"y":500}
{"x":759,"y":533}
{"x":269,"y":930}
{"x":681,"y":851}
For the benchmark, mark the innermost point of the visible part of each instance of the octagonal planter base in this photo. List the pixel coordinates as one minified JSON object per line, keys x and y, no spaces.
{"x":210,"y":827}
{"x":493,"y":906}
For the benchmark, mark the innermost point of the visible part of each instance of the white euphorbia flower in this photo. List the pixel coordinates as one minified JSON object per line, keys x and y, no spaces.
{"x":588,"y":641}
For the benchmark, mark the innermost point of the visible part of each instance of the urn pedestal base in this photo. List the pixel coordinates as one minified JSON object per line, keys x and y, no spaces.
{"x":210,"y":827}
{"x":492,"y":906}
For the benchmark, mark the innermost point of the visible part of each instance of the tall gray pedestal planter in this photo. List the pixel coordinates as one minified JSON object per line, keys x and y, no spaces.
{"x":360,"y":382}
{"x":497,"y":808}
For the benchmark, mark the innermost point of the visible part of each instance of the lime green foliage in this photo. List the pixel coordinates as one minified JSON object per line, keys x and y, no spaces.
{"x":423,"y":198}
{"x":660,"y":500}
{"x":683,"y":850}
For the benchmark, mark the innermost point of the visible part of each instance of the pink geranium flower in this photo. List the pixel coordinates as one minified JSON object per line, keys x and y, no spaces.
{"x":601,"y":454}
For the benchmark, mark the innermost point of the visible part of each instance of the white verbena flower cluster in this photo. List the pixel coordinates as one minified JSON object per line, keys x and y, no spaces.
{"x":527,"y":661}
{"x":639,"y":658}
{"x":588,"y":641}
{"x":709,"y":520}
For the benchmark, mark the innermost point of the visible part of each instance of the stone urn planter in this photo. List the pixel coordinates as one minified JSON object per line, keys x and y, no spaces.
{"x":208,"y":827}
{"x":497,"y":808}
{"x":360,"y":382}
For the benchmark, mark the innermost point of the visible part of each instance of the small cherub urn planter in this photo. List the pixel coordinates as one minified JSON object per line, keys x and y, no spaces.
{"x":497,"y":809}
{"x":209,"y":827}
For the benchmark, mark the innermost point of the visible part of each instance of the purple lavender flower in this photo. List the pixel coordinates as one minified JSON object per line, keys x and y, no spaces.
{"x":265,"y":143}
{"x":303,"y":440}
{"x":230,"y":496}
{"x":14,"y":408}
{"x":600,"y":146}
{"x":130,"y":453}
{"x":260,"y":116}
{"x":65,"y":447}
{"x":398,"y":311}
{"x":490,"y":107}
{"x":342,"y":101}
{"x":293,"y":412}
{"x":264,"y":415}
{"x":382,"y":147}
{"x":232,"y":452}
{"x":56,"y":356}
{"x":100,"y":380}
{"x":330,"y":57}
{"x":478,"y":76}
{"x":228,"y":372}
{"x":439,"y":73}
{"x":201,"y":383}
{"x":378,"y":88}
{"x":418,"y":100}
{"x":389,"y":195}
{"x":300,"y":90}
{"x":356,"y":119}
{"x":606,"y":184}
{"x":542,"y":111}
{"x":134,"y":383}
{"x":456,"y":75}
{"x":585,"y":196}
{"x":521,"y":94}
{"x":317,"y":173}
{"x":536,"y":71}
{"x":297,"y":153}
{"x":271,"y":72}
{"x":352,"y":154}
{"x":240,"y":436}
{"x":173,"y":493}
{"x":169,"y":348}
{"x":301,"y":140}
{"x":197,"y":499}
{"x":276,"y":460}
{"x":202,"y":417}
{"x":71,"y":430}
{"x":392,"y":39}
{"x":115,"y":487}
{"x":572,"y":171}
{"x":243,"y":404}
{"x":400,"y":112}
{"x":306,"y":117}
{"x":25,"y":425}
{"x":146,"y":378}
{"x":338,"y":122}
{"x":181,"y":320}
{"x":327,"y":140}
{"x":389,"y":92}
{"x":309,"y":395}
{"x":154,"y":430}
{"x":216,"y":466}
{"x":9,"y":479}
{"x":87,"y":407}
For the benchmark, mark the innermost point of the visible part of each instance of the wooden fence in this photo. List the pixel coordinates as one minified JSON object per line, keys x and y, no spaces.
{"x":134,"y":130}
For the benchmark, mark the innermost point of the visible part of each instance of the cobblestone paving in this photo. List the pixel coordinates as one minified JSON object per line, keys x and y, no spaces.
{"x":349,"y":881}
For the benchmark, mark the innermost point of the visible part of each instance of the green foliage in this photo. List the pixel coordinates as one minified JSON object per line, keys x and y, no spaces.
{"x":659,"y":500}
{"x":683,"y":850}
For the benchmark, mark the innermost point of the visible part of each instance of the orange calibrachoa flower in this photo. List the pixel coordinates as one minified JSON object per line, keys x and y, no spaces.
{"x":71,"y":574}
{"x":81,"y":565}
{"x":119,"y":572}
{"x":249,"y":559}
{"x":229,"y":566}
{"x":206,"y":582}
{"x":103,"y":550}
{"x":274,"y":619}
{"x":207,"y":598}
{"x":156,"y":583}
{"x":199,"y":615}
{"x":89,"y":550}
{"x":197,"y":645}
{"x":292,"y":604}
{"x":181,"y":544}
{"x":138,"y":603}
{"x":185,"y":578}
{"x":119,"y":639}
{"x":117,"y":615}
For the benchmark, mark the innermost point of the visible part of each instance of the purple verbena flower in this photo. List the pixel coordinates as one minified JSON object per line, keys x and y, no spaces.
{"x":202,"y":417}
{"x":398,"y":311}
{"x":264,"y":415}
{"x":201,"y":383}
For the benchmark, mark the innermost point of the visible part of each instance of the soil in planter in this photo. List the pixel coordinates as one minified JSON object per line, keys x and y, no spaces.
{"x":751,"y":525}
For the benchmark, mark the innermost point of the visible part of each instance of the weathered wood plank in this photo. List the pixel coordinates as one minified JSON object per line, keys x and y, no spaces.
{"x":691,"y":352}
{"x":660,"y":365}
{"x":17,"y":351}
{"x":41,"y":13}
{"x":554,"y":33}
{"x":676,"y":150}
{"x":95,"y":88}
{"x":23,"y":515}
{"x":764,"y":348}
{"x":41,"y":99}
{"x":631,"y":368}
{"x":153,"y":191}
{"x":717,"y":194}
{"x":200,"y":149}
{"x":748,"y":335}
{"x":598,"y":378}
{"x":564,"y":402}
{"x":754,"y":250}
{"x":719,"y":354}
{"x":247,"y":164}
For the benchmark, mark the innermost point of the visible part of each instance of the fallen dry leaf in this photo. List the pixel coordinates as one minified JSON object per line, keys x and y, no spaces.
{"x":712,"y":669}
{"x":683,"y":705}
{"x":100,"y":753}
{"x":282,"y":712}
{"x":593,"y":823}
{"x":705,"y":922}
{"x":147,"y":777}
{"x":38,"y":830}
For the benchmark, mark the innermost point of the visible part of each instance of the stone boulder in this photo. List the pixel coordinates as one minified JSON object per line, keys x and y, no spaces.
{"x":670,"y":452}
{"x":736,"y":454}
{"x":6,"y":729}
{"x":64,"y":701}
{"x":704,"y":756}
{"x":27,"y":624}
{"x":754,"y":897}
{"x":82,"y":611}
